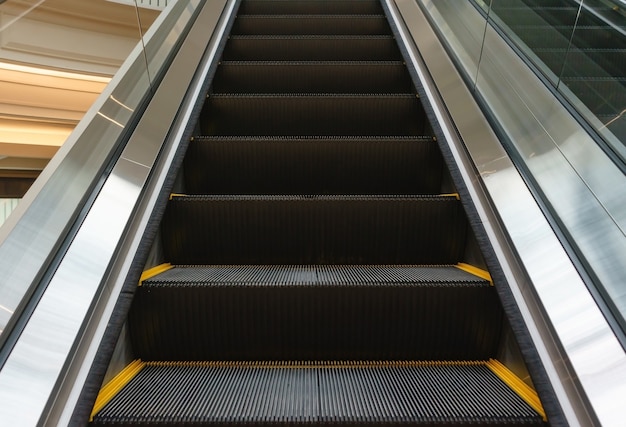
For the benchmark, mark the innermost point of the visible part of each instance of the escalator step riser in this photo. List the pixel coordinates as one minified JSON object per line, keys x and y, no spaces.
{"x":260,"y":115}
{"x":560,"y":16}
{"x":311,"y":25}
{"x":612,"y":63}
{"x":312,"y":77}
{"x":313,"y":7}
{"x":313,"y":230}
{"x":588,"y":91}
{"x":311,"y":48}
{"x":315,"y":322}
{"x":531,"y":3}
{"x":334,"y":394}
{"x":313,"y":166}
{"x":584,"y":38}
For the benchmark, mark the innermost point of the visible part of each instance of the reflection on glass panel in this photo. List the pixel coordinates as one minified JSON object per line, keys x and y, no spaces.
{"x":56,"y":57}
{"x":541,"y":28}
{"x":594,"y":76}
{"x":6,"y":207}
{"x":484,"y":4}
{"x":463,"y":32}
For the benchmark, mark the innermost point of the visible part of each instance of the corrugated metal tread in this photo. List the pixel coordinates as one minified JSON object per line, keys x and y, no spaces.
{"x":289,"y":275}
{"x":425,"y":393}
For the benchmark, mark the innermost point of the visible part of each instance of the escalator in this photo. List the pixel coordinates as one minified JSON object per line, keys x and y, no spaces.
{"x":583,"y":47}
{"x":320,"y":267}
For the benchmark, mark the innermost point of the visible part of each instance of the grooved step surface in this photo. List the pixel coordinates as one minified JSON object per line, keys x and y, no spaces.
{"x":311,"y":77}
{"x":314,"y":230}
{"x":333,"y":312}
{"x":286,"y":115}
{"x":315,"y":165}
{"x":311,"y":24}
{"x":326,"y":393}
{"x":324,"y":275}
{"x":311,"y":48}
{"x":287,"y":7}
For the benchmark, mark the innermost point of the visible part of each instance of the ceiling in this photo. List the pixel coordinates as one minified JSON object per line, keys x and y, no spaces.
{"x":56,"y":57}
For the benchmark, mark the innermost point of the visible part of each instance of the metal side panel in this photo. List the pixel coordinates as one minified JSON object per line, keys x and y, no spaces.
{"x":34,"y":383}
{"x":582,"y":357}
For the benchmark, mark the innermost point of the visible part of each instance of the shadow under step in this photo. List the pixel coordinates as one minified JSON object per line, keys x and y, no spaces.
{"x":315,"y":165}
{"x":291,"y":393}
{"x":311,"y":25}
{"x":308,"y":312}
{"x":311,"y":48}
{"x":282,"y":7}
{"x":314,"y":230}
{"x":314,"y":114}
{"x":312,"y":77}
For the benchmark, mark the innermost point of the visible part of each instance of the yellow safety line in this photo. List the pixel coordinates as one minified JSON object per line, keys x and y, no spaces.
{"x":455,"y":195}
{"x":115,"y":385}
{"x":483,"y":274}
{"x":172,"y":195}
{"x":151,"y":272}
{"x":518,"y":386}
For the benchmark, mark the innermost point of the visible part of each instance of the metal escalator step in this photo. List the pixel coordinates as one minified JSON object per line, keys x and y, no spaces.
{"x":419,"y":393}
{"x":314,"y":165}
{"x":304,"y":312}
{"x":603,"y":96}
{"x":311,"y":25}
{"x":312,"y":77}
{"x":314,"y":230}
{"x":311,"y":48}
{"x":553,"y":16}
{"x":612,"y":61}
{"x":283,"y":7}
{"x":550,"y":37}
{"x":292,"y":275}
{"x":313,"y":114}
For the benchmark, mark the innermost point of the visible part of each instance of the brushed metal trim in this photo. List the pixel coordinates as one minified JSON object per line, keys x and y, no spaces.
{"x":42,"y":377}
{"x":582,"y":356}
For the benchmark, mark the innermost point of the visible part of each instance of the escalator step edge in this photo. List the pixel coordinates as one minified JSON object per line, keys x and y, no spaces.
{"x":305,"y":393}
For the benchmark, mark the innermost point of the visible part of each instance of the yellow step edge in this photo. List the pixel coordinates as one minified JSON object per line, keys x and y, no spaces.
{"x":172,"y":195}
{"x":115,"y":385}
{"x":151,"y":272}
{"x":455,"y":195}
{"x":518,"y":386}
{"x":483,"y":274}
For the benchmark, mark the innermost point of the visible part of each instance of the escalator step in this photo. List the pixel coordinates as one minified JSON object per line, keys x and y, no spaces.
{"x":612,"y":61}
{"x":314,"y":7}
{"x":308,"y":312}
{"x":331,"y":165}
{"x":311,"y":48}
{"x":168,"y":394}
{"x":314,"y":230}
{"x":552,"y":16}
{"x":311,"y":24}
{"x":603,"y":96}
{"x":314,"y":114}
{"x":312,"y":77}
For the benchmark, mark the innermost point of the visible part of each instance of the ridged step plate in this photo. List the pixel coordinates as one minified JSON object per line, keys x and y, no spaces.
{"x":314,"y":230}
{"x":408,"y":393}
{"x":313,"y":7}
{"x":314,"y":114}
{"x":315,"y":165}
{"x":311,"y":77}
{"x":311,"y":48}
{"x":305,"y":312}
{"x":311,"y":24}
